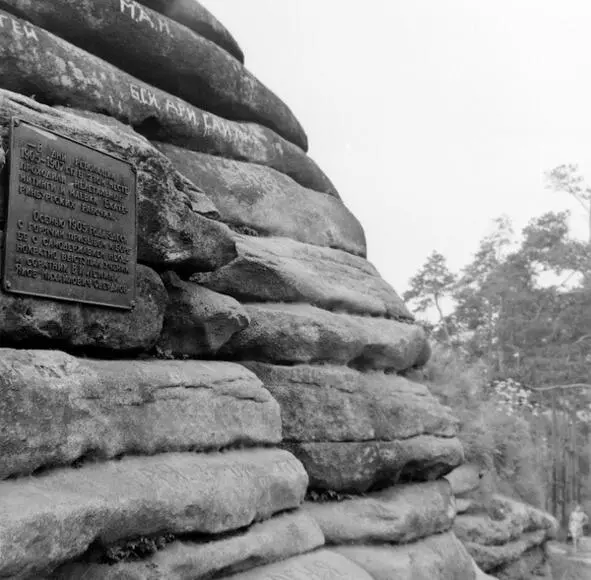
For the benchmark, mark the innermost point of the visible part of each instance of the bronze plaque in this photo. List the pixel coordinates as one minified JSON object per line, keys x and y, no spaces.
{"x":71,"y":223}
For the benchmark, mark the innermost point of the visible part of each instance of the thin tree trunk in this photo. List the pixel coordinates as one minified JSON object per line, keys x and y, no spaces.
{"x":442,"y":321}
{"x":554,"y":457}
{"x":575,"y":454}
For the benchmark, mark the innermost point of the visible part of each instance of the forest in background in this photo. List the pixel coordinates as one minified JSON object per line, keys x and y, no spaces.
{"x":512,"y":351}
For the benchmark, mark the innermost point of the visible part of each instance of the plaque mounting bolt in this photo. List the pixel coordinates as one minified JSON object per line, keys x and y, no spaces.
{"x":8,"y":285}
{"x":133,"y":304}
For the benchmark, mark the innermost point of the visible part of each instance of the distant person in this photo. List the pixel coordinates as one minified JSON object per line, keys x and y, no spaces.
{"x":578,"y":518}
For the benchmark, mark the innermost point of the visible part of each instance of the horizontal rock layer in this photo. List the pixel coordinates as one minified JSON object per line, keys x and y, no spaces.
{"x":36,"y":62}
{"x":46,"y":323}
{"x":320,"y":565}
{"x":46,"y":521}
{"x":359,"y":467}
{"x":170,"y":233}
{"x":440,"y":557}
{"x":512,"y":519}
{"x":198,"y":321}
{"x":196,"y":17}
{"x":490,"y":558}
{"x":531,"y":564}
{"x":326,"y":403}
{"x":56,"y":409}
{"x":277,"y":539}
{"x":300,"y":333}
{"x":283,"y":270}
{"x":165,"y":54}
{"x":269,"y":202}
{"x":396,"y":515}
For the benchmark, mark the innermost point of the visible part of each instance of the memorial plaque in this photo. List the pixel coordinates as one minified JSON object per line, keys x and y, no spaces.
{"x":71,"y":221}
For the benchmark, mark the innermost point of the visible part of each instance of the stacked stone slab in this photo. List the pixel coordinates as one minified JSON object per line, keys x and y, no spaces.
{"x":265,"y":357}
{"x":505,"y":537}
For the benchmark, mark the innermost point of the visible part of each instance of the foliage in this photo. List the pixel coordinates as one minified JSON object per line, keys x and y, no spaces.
{"x":136,"y":548}
{"x":519,"y":320}
{"x":497,"y":440}
{"x":429,"y":286}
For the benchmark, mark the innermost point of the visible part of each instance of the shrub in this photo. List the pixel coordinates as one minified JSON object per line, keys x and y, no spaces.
{"x":495,"y":423}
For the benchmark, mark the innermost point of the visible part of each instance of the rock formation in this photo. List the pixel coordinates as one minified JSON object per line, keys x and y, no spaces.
{"x":505,"y":537}
{"x":249,"y":416}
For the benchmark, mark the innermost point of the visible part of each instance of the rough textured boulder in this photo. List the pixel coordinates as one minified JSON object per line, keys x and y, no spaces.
{"x":464,"y":505}
{"x":531,"y":564}
{"x":45,"y":521}
{"x":36,"y":62}
{"x":198,"y":321}
{"x":300,"y":333}
{"x":277,"y":539}
{"x":440,"y":557}
{"x":320,"y":565}
{"x":170,"y":233}
{"x":511,"y":521}
{"x":396,"y":515}
{"x":56,"y":409}
{"x":359,"y":467}
{"x":283,"y":270}
{"x":46,"y":323}
{"x":327,"y":403}
{"x":490,"y":558}
{"x":465,"y":478}
{"x":196,"y":17}
{"x":163,"y":53}
{"x":269,"y":202}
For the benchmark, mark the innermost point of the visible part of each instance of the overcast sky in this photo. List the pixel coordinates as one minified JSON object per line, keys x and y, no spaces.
{"x":430,"y":116}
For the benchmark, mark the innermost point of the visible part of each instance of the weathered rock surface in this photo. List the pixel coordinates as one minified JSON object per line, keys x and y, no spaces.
{"x":170,"y":233}
{"x":300,"y":333}
{"x":328,"y":403}
{"x":198,"y":321}
{"x":440,"y":557}
{"x":283,"y":270}
{"x":269,"y":202}
{"x":397,"y":515}
{"x":277,"y":539}
{"x":491,"y":557}
{"x":163,"y":53}
{"x":464,"y":504}
{"x":320,"y":565}
{"x":358,"y":467}
{"x":36,"y":62}
{"x":196,"y":17}
{"x":46,"y":521}
{"x":518,"y":518}
{"x":480,"y":575}
{"x":531,"y":564}
{"x":56,"y":409}
{"x":465,"y":478}
{"x":46,"y":323}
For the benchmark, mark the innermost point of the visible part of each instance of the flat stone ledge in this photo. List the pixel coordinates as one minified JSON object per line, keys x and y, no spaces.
{"x":396,"y":515}
{"x":296,"y":272}
{"x":48,"y":520}
{"x":301,"y":333}
{"x":56,"y":409}
{"x":359,"y":467}
{"x":279,"y":538}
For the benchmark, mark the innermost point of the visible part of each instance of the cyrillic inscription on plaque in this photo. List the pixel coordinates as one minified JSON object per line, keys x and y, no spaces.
{"x":71,"y":223}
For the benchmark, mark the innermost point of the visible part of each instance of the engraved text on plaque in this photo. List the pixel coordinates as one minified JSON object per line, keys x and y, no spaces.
{"x":71,"y":222}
